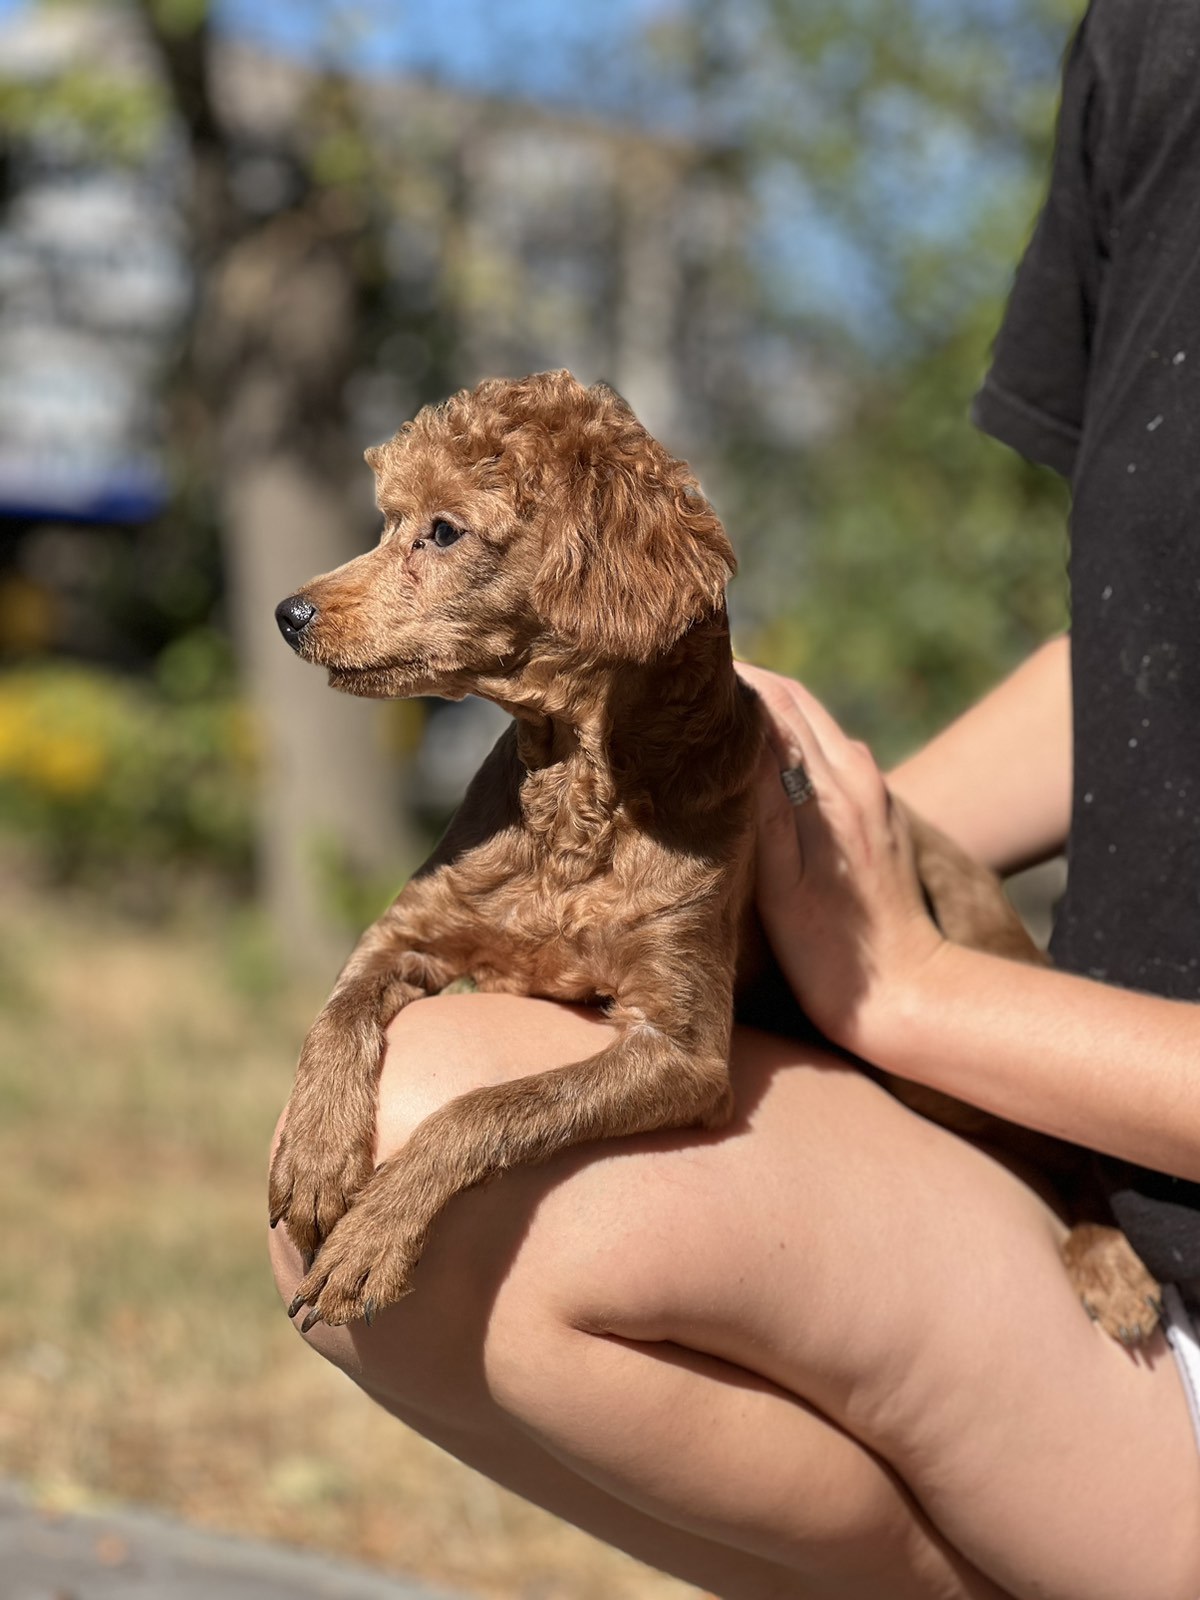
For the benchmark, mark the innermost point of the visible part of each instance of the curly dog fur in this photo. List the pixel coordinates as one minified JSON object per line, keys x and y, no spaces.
{"x":541,"y":549}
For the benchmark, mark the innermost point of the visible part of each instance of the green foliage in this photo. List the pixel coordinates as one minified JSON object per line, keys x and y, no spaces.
{"x":354,"y":895}
{"x":84,"y":112}
{"x":107,"y":777}
{"x":900,"y":563}
{"x":915,"y":602}
{"x":933,"y":558}
{"x":178,"y":17}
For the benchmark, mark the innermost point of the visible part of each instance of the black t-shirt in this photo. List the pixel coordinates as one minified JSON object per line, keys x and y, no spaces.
{"x":1096,"y":373}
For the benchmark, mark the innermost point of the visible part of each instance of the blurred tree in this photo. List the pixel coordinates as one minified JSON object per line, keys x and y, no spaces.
{"x":286,"y":233}
{"x":899,"y":562}
{"x":287,"y":214}
{"x":789,"y":242}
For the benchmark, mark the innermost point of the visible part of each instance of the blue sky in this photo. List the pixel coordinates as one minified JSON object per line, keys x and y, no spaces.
{"x":532,"y":43}
{"x":535,"y":47}
{"x":532,"y":46}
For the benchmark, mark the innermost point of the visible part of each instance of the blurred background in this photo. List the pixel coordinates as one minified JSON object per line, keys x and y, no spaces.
{"x":240,"y":240}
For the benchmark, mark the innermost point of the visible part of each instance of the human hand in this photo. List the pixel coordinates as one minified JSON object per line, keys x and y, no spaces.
{"x":837,"y":886}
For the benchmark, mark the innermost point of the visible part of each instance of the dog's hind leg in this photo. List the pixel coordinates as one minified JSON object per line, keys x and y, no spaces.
{"x":640,"y":1084}
{"x":325,"y":1153}
{"x":968,"y":902}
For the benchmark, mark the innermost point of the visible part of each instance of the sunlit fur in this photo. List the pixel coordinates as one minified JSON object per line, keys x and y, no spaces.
{"x":603,"y":852}
{"x":586,"y":545}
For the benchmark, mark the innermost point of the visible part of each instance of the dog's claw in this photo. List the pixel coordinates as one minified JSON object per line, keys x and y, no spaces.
{"x":311,"y":1320}
{"x":300,"y":1299}
{"x":368,"y":1312}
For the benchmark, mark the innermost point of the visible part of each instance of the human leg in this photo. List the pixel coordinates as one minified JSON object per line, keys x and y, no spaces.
{"x":866,"y":1317}
{"x":833,"y":1522}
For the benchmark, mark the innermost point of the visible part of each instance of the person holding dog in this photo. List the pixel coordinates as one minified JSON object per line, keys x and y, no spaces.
{"x":831,"y":1351}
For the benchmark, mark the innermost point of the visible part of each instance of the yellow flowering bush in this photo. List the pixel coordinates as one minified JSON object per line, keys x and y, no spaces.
{"x":102,"y":773}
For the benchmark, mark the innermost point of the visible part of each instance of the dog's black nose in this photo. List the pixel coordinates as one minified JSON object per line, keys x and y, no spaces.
{"x":294,"y":615}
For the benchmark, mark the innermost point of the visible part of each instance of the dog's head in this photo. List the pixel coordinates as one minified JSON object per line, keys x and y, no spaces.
{"x":523,"y":520}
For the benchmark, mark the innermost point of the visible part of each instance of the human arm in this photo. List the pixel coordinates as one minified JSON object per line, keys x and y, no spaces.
{"x":838,"y":895}
{"x":998,"y":780}
{"x":1102,"y":1066}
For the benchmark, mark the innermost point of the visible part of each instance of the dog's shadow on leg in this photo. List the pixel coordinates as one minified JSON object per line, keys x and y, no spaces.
{"x":477,"y":1241}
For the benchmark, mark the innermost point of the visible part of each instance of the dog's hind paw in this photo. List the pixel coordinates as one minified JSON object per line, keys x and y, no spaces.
{"x":1129,"y":1317}
{"x":1117,"y":1291}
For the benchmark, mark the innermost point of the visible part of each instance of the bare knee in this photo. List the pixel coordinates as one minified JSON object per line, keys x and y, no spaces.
{"x":442,"y":1047}
{"x":431,"y":1345}
{"x":576,"y":1245}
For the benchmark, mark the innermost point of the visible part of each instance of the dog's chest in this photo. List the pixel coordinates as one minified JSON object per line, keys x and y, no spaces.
{"x":538,"y":932}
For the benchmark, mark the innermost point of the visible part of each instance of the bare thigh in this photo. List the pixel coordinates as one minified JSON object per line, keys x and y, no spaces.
{"x":830,"y":1303}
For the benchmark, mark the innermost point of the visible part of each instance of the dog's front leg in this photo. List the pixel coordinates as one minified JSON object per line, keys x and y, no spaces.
{"x":325,"y":1152}
{"x":642,"y":1083}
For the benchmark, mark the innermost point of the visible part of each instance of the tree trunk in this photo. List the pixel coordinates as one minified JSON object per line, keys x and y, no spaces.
{"x":327,"y":804}
{"x":280,"y":304}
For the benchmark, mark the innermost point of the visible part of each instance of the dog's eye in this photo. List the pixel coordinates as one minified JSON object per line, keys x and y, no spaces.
{"x":445,"y":534}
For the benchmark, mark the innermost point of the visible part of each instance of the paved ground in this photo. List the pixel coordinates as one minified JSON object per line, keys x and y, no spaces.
{"x":134,"y":1555}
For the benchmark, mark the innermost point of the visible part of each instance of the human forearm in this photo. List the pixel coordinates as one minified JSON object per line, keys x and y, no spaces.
{"x":998,"y":780}
{"x":1105,"y":1067}
{"x":840,"y":900}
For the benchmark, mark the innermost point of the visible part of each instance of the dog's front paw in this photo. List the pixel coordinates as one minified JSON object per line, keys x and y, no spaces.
{"x":314,"y":1179}
{"x":366,"y":1263}
{"x":1116,"y":1289}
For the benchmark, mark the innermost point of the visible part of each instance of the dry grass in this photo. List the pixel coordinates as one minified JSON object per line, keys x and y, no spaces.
{"x":143,"y":1354}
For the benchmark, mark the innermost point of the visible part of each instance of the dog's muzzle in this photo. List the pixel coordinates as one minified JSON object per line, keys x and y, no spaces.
{"x":294,"y":615}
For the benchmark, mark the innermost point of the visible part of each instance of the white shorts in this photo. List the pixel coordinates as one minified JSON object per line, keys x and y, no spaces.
{"x":1181,"y":1323}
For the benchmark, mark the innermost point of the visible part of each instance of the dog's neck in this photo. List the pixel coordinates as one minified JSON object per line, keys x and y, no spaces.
{"x":603,"y":741}
{"x":680,"y":719}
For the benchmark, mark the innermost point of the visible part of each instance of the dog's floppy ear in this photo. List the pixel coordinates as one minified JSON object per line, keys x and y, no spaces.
{"x":638,"y":554}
